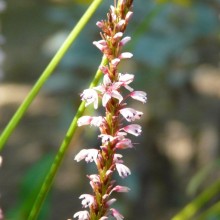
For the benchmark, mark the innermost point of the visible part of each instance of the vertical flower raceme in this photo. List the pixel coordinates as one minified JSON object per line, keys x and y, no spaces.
{"x":114,"y":133}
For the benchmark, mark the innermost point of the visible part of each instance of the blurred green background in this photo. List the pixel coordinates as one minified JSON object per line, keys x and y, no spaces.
{"x":176,"y":61}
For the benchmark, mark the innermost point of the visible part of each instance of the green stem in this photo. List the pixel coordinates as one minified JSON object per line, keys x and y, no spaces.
{"x":61,"y":152}
{"x":193,"y":207}
{"x":211,"y":212}
{"x":47,"y":72}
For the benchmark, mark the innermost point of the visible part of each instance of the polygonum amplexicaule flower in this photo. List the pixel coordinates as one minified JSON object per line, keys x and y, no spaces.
{"x":113,"y":132}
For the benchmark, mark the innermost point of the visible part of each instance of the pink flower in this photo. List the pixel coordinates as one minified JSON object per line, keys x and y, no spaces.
{"x":1,"y":215}
{"x":109,"y":90}
{"x":94,"y":177}
{"x":121,"y":23}
{"x":101,"y":44}
{"x":128,"y":16}
{"x":84,"y":120}
{"x":90,"y":96}
{"x":116,"y":214}
{"x":130,"y":114}
{"x":87,"y":200}
{"x":118,"y":35}
{"x":125,"y":55}
{"x":88,"y":120}
{"x":97,"y":121}
{"x":110,"y":202}
{"x":139,"y":95}
{"x":123,"y":171}
{"x":104,"y":69}
{"x":120,"y":189}
{"x":82,"y":215}
{"x":115,"y":62}
{"x":117,"y":158}
{"x":113,"y":10}
{"x":100,"y":24}
{"x":124,"y":40}
{"x":133,"y":129}
{"x":126,"y":79}
{"x":89,"y":155}
{"x":1,"y":160}
{"x":107,"y":138}
{"x":124,"y":144}
{"x":103,"y":218}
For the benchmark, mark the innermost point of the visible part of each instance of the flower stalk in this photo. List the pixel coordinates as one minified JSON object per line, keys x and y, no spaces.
{"x":111,"y":125}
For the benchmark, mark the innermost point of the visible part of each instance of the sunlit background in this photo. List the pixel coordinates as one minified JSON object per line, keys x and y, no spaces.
{"x":176,"y":61}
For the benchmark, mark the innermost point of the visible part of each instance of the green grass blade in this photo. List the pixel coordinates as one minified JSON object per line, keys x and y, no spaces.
{"x":193,"y":207}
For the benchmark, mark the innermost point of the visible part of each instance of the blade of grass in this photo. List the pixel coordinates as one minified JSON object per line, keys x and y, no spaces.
{"x":47,"y":72}
{"x":193,"y":207}
{"x":211,"y":212}
{"x":61,"y":152}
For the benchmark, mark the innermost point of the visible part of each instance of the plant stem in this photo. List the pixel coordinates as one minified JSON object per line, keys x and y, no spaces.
{"x":211,"y":212}
{"x":61,"y":152}
{"x":193,"y":207}
{"x":47,"y":72}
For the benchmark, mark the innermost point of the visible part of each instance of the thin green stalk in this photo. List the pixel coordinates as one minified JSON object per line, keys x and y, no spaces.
{"x":61,"y":152}
{"x":193,"y":207}
{"x":47,"y":72}
{"x":211,"y":212}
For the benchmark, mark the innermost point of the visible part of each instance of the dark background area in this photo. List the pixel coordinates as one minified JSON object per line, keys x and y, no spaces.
{"x":176,"y":61}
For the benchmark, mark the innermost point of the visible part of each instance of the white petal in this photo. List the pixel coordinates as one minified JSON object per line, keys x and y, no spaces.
{"x":117,"y":95}
{"x":106,"y":97}
{"x":123,"y":170}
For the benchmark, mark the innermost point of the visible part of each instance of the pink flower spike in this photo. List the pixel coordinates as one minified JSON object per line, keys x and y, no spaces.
{"x":124,"y":41}
{"x":133,"y":129}
{"x":90,"y":96}
{"x":130,"y":114}
{"x":116,"y":214}
{"x":82,"y":215}
{"x":123,"y":171}
{"x":139,"y":95}
{"x":124,"y":144}
{"x":84,"y":120}
{"x":87,"y":200}
{"x":89,"y":155}
{"x":125,"y":55}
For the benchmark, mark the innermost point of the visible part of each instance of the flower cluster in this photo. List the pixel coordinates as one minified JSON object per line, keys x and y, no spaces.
{"x":113,"y":132}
